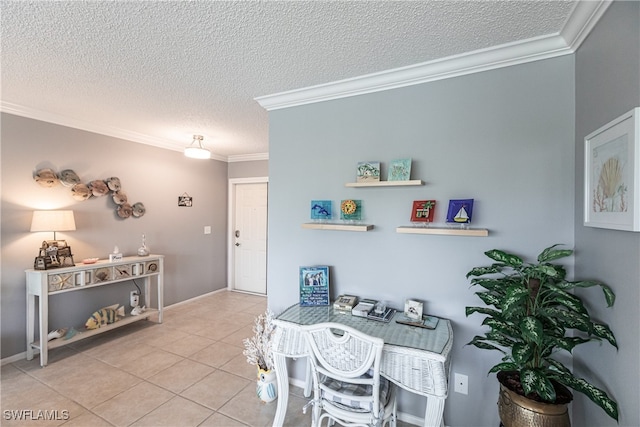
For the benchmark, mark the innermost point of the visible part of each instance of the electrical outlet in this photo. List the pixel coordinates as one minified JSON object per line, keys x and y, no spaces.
{"x":461,"y":383}
{"x":134,"y":299}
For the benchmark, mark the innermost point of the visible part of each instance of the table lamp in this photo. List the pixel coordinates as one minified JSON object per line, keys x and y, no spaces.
{"x":53,"y":221}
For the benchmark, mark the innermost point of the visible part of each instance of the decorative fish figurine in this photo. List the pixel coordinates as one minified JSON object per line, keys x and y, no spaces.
{"x":105,"y":316}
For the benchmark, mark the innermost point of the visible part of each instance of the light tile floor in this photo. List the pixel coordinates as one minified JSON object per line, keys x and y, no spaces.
{"x":187,"y":371}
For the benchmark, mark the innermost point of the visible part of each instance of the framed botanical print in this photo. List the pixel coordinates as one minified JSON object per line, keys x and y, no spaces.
{"x":612,"y":178}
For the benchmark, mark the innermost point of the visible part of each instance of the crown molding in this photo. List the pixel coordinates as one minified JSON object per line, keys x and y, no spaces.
{"x":582,"y":19}
{"x":248,"y":157}
{"x":32,"y":113}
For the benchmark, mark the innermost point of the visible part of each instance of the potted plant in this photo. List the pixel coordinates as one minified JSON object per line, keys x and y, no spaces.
{"x":532,"y":317}
{"x":258,"y":353}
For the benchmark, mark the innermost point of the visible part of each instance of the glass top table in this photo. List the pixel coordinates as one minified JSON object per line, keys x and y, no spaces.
{"x":392,"y":333}
{"x":414,"y":358}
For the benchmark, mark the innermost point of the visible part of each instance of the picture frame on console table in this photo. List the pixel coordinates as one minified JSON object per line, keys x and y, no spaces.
{"x":612,"y":175}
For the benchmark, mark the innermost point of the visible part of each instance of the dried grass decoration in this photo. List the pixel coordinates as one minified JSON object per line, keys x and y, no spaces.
{"x":258,"y":348}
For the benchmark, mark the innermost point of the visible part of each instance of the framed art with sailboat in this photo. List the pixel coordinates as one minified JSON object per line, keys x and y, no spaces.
{"x":460,"y":211}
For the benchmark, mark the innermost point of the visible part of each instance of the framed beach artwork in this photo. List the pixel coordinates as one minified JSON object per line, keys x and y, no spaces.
{"x":399,"y":170}
{"x":460,"y":211}
{"x":314,"y":286}
{"x":368,"y":172}
{"x":351,"y":210}
{"x":423,"y":211}
{"x":612,"y":178}
{"x":321,"y":210}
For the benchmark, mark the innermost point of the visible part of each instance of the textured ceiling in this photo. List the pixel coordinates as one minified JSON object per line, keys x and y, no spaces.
{"x":162,"y":71}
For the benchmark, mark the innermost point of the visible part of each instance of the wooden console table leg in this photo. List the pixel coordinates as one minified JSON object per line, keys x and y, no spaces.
{"x":31,"y":316}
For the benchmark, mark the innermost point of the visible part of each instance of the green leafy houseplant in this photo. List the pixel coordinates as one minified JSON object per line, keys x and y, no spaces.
{"x":532,"y":316}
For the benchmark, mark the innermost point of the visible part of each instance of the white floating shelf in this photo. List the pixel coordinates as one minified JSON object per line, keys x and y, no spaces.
{"x":340,"y":227}
{"x":475,"y":232}
{"x":385,"y":183}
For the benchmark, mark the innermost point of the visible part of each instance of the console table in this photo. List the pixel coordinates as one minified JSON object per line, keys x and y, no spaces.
{"x":42,"y":283}
{"x":415,"y":359}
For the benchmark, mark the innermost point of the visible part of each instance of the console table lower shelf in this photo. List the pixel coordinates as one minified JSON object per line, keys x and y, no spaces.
{"x":80,"y":335}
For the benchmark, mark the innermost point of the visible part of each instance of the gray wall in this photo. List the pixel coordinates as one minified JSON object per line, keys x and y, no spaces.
{"x":195,"y":263}
{"x":504,"y":137}
{"x":608,"y":85}
{"x":248,"y":169}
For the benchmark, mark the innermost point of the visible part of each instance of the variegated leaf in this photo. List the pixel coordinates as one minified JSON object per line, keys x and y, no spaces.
{"x":547,"y":270}
{"x":567,"y":343}
{"x":484,"y":345}
{"x":512,"y":303}
{"x":571,"y":302}
{"x":489,"y":298}
{"x":569,"y":319}
{"x":482,"y":310}
{"x":503,"y":327}
{"x":500,"y":339}
{"x":496,"y":285}
{"x":501,"y":256}
{"x":551,"y":254}
{"x":481,"y":271}
{"x":504,"y":366}
{"x":522,"y":353}
{"x":555,"y":365}
{"x":598,"y":396}
{"x":531,"y":329}
{"x":535,"y":380}
{"x":601,"y":330}
{"x":609,"y":296}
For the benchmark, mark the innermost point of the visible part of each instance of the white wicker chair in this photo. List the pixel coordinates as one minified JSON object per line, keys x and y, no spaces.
{"x":347,"y":386}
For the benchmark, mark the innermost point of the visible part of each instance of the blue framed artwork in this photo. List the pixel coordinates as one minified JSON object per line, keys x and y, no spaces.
{"x":368,"y":172}
{"x":399,"y":170}
{"x":351,"y":210}
{"x":321,"y":209}
{"x":314,"y":286}
{"x":460,"y":211}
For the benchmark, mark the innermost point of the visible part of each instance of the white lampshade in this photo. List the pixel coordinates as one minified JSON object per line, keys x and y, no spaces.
{"x":197,"y":152}
{"x":53,"y":221}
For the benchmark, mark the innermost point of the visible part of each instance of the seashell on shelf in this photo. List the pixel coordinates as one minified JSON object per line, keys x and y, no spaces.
{"x":125,"y":210}
{"x":98,"y":188}
{"x":114,"y":183}
{"x":119,"y":197}
{"x":80,"y":192}
{"x":138,"y":209}
{"x":46,"y":178}
{"x":69,"y":178}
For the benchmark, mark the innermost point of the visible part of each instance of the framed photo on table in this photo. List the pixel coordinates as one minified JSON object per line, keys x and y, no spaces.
{"x":314,"y":286}
{"x":612,"y":177}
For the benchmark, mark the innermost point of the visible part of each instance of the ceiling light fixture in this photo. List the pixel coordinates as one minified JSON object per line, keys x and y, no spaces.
{"x":197,"y":151}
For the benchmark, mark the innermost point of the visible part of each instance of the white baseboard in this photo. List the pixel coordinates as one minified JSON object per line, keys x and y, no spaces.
{"x":17,"y":357}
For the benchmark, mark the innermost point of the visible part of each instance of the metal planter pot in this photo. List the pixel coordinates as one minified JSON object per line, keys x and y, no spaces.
{"x":518,"y":411}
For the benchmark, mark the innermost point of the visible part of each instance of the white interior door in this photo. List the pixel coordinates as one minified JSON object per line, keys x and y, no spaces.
{"x":249,"y":237}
